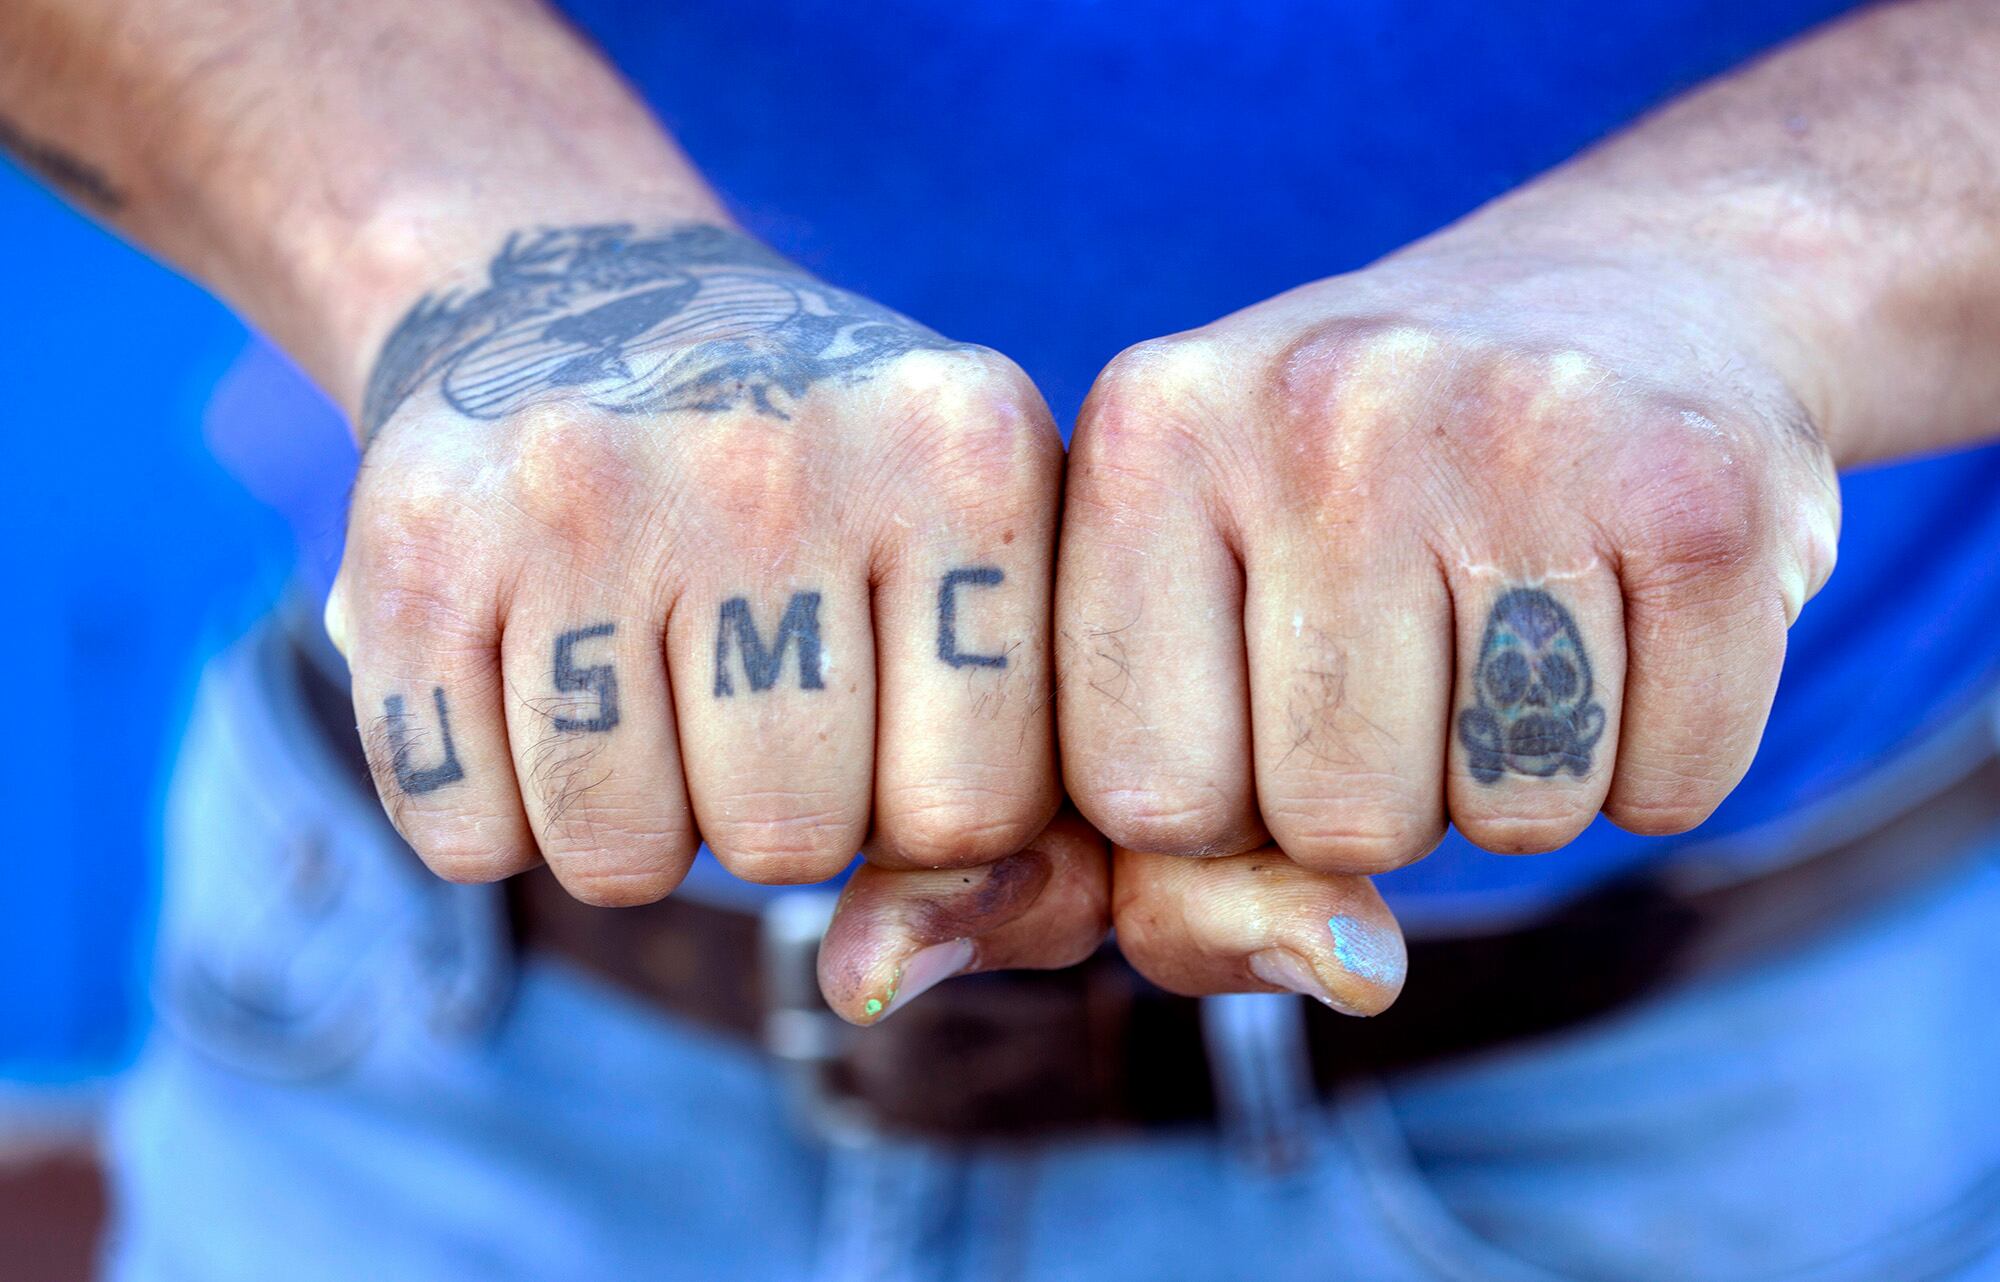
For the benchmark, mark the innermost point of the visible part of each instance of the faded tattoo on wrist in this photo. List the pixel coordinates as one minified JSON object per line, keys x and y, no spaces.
{"x":692,"y":317}
{"x":403,"y":739}
{"x":1534,"y":712}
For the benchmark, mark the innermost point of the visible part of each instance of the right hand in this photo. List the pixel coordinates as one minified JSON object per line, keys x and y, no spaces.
{"x":659,"y":539}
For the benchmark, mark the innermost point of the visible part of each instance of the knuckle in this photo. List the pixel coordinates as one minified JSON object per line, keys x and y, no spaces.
{"x":466,"y":860}
{"x":612,"y":881}
{"x":946,"y":826}
{"x":786,"y":837}
{"x":997,"y":460}
{"x":754,"y":478}
{"x":1344,"y":371}
{"x":1353,"y":838}
{"x":1520,"y":834}
{"x":1146,"y":401}
{"x":1661,"y":802}
{"x":1197,"y":820}
{"x":567,"y":474}
{"x":1699,"y":510}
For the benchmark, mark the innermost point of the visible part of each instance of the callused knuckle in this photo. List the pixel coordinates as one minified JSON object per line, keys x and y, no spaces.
{"x":944,"y":826}
{"x":1354,"y":838}
{"x":1148,"y":390}
{"x":1349,"y":369}
{"x":569,"y":472}
{"x":612,"y":882}
{"x":467,"y":860}
{"x":1701,"y":515}
{"x":805,"y":843}
{"x":1165,"y":819}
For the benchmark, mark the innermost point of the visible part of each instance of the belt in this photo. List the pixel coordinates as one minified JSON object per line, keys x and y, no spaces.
{"x":1029,"y":1053}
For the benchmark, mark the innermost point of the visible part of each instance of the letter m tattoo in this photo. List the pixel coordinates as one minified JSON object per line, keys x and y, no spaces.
{"x":762,"y":663}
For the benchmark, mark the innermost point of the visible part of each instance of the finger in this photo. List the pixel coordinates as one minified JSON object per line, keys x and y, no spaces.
{"x":1540,"y":673}
{"x":896,"y":934}
{"x":1257,"y":923}
{"x":427,"y":696}
{"x":1707,"y":619}
{"x":595,"y":748}
{"x":1350,"y":654}
{"x":1154,"y":714}
{"x":774,"y":686}
{"x":965,"y":768}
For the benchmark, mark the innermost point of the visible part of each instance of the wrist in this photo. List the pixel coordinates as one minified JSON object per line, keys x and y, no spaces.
{"x":1758,"y":270}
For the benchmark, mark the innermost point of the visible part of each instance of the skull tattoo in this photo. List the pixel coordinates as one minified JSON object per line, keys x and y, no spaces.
{"x":1534,"y":712}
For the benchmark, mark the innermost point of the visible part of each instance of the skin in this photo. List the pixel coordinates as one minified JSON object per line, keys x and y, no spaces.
{"x":1288,"y":537}
{"x":1599,"y":419}
{"x":657,"y":538}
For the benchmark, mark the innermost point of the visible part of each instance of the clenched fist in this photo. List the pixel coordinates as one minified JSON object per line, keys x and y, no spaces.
{"x":1486,"y":533}
{"x":659,"y":538}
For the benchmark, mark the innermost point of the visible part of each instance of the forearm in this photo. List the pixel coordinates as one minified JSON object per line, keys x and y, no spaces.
{"x":321,"y":166}
{"x":1843,"y":195}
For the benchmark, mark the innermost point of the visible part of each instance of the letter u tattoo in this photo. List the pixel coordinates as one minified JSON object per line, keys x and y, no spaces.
{"x":410,"y":777}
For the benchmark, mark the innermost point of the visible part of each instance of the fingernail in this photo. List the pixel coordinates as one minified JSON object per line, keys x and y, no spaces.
{"x":1368,"y":952}
{"x":1285,"y":969}
{"x":925,"y":970}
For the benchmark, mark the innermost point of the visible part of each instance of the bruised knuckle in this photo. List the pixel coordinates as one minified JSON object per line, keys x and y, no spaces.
{"x":1698,"y":508}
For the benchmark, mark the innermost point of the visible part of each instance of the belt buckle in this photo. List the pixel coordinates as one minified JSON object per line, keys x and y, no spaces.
{"x":801,"y":1031}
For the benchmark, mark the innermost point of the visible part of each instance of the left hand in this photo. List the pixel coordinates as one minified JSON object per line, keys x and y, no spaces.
{"x":1487,"y":533}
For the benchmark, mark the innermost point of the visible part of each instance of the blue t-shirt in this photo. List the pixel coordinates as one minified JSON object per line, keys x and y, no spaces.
{"x":1059,"y":179}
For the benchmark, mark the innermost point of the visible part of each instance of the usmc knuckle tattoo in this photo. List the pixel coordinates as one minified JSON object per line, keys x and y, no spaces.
{"x":403,"y":740}
{"x":762,"y":664}
{"x":599,"y":681}
{"x":948,"y":651}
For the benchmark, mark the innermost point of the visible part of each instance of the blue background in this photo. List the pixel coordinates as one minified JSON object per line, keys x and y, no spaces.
{"x":128,"y":555}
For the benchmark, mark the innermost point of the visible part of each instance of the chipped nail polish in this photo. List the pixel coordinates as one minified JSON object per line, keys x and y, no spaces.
{"x":1282,"y":968}
{"x":1366,"y":951}
{"x":926,"y":969}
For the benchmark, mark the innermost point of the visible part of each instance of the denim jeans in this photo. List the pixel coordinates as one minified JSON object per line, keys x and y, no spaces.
{"x":348,"y":1081}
